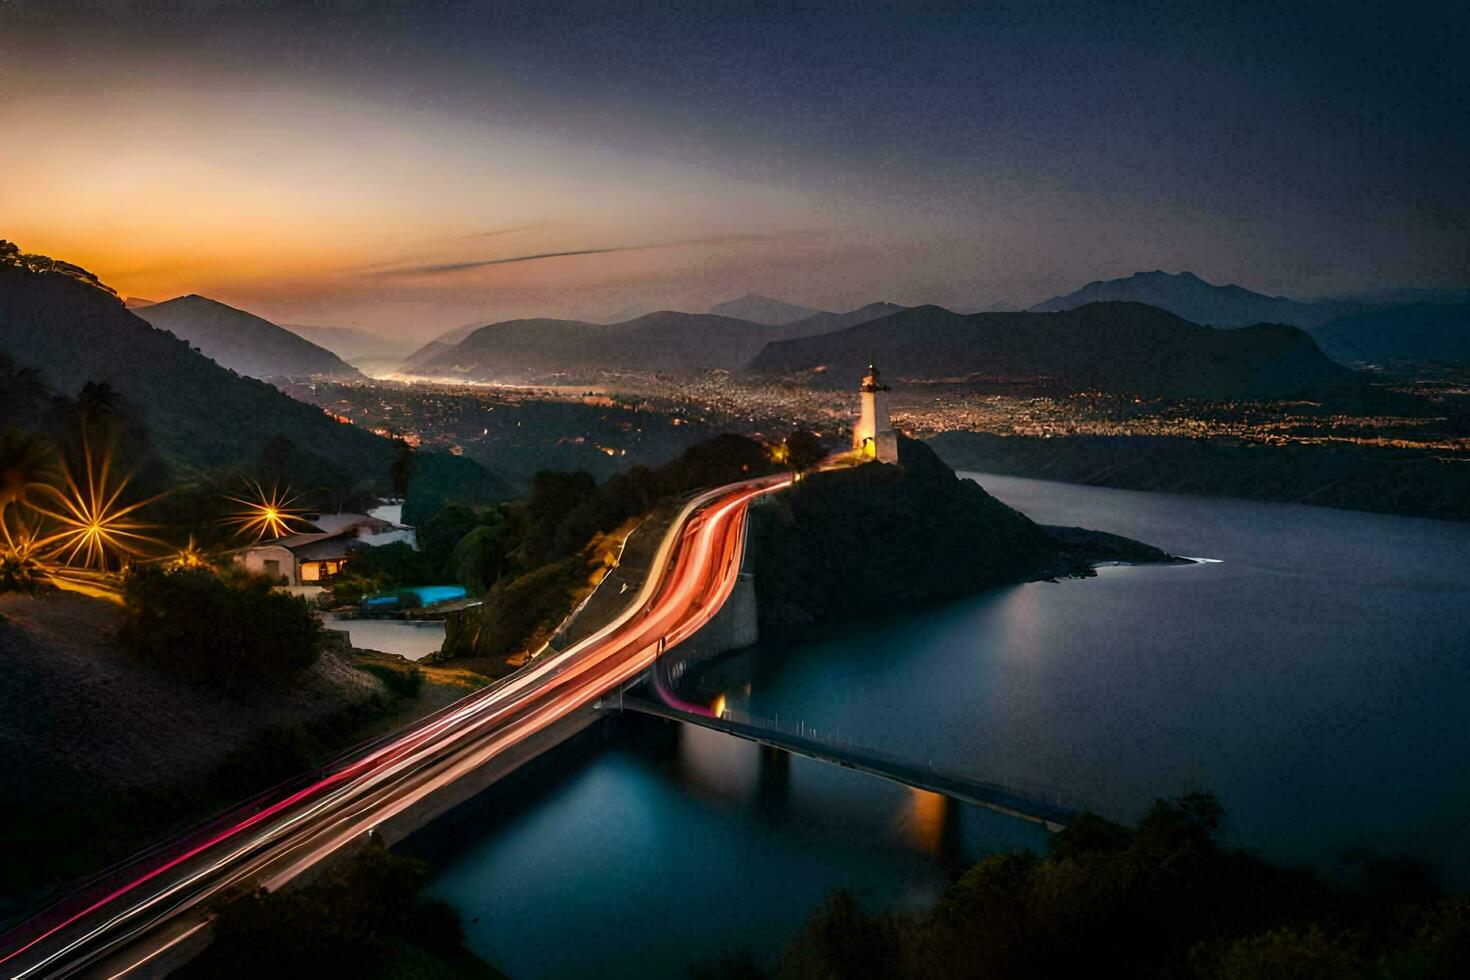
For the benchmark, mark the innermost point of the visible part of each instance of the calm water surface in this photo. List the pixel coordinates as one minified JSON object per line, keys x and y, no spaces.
{"x":1314,"y":679}
{"x":412,"y":639}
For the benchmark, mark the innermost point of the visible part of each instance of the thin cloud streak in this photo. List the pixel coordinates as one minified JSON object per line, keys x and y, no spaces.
{"x":447,"y":267}
{"x":507,"y":231}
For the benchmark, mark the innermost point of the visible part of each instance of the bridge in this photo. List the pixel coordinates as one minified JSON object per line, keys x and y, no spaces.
{"x":149,"y":914}
{"x":1036,"y":804}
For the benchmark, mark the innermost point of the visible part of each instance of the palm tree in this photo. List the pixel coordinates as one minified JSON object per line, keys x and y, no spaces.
{"x":25,"y":460}
{"x":22,"y":390}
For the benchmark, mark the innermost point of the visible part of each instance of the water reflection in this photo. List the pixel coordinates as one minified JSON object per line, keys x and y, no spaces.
{"x":725,"y":845}
{"x":1326,"y":714}
{"x":931,"y":824}
{"x":773,"y":787}
{"x":1314,"y":680}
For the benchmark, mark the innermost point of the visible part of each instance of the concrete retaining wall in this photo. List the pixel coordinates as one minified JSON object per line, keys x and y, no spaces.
{"x":735,"y":627}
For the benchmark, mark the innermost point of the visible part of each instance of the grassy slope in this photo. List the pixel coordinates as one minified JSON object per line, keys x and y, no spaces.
{"x":135,"y":757}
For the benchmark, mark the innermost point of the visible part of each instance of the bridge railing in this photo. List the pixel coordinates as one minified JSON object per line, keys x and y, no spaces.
{"x":800,"y":736}
{"x":838,"y":743}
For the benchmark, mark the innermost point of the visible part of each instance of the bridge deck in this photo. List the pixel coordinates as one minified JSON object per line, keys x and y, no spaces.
{"x":1025,"y":804}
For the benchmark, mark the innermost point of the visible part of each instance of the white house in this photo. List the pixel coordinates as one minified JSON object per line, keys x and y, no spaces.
{"x":313,"y":557}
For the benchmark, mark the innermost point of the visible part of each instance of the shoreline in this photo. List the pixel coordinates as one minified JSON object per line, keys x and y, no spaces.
{"x":1365,"y":479}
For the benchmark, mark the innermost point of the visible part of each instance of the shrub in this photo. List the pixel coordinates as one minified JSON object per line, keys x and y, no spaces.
{"x":804,"y":450}
{"x":355,"y":921}
{"x":238,"y":633}
{"x":400,"y":683}
{"x":1160,"y":899}
{"x":516,"y":615}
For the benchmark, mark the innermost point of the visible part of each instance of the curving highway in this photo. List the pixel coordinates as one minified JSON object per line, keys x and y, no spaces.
{"x":126,"y":919}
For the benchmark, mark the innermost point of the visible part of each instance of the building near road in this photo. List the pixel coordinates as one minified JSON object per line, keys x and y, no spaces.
{"x":314,"y":556}
{"x":873,"y":436}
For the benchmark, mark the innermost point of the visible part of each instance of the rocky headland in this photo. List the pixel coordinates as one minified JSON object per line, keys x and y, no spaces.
{"x":841,"y":543}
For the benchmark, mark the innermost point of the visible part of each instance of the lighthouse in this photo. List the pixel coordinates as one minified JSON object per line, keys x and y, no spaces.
{"x":873,"y":436}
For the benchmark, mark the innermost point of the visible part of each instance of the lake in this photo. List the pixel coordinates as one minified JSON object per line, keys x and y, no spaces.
{"x":1313,"y":676}
{"x":413,"y":639}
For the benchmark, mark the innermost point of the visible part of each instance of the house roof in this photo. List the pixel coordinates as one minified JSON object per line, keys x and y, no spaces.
{"x":341,"y":522}
{"x":316,"y":546}
{"x":332,"y":546}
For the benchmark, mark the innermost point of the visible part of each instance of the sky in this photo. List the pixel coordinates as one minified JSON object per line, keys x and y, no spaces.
{"x":410,"y":167}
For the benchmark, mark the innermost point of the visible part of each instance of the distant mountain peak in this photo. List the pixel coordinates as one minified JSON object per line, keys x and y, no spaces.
{"x":763,"y":309}
{"x":1186,"y":295}
{"x":665,"y":340}
{"x":238,"y":339}
{"x":1112,"y":346}
{"x":1161,"y":274}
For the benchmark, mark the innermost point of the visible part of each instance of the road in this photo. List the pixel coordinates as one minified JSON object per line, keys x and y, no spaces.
{"x":131,"y":916}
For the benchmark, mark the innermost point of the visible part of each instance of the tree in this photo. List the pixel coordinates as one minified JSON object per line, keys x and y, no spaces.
{"x":25,"y":460}
{"x":439,"y":479}
{"x":804,"y":450}
{"x":438,"y":536}
{"x":401,"y":471}
{"x":554,"y":495}
{"x":355,"y":922}
{"x":238,"y":633}
{"x":276,"y":457}
{"x":479,"y":557}
{"x":1278,"y":953}
{"x":23,"y":393}
{"x":106,"y":421}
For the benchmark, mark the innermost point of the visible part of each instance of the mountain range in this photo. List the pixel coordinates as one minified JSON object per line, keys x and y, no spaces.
{"x":241,"y":341}
{"x":1125,"y":347}
{"x":444,"y":342}
{"x":1417,"y":332}
{"x":353,"y":345}
{"x":662,"y":341}
{"x":1189,"y":296}
{"x":1409,"y":325}
{"x":762,"y":309}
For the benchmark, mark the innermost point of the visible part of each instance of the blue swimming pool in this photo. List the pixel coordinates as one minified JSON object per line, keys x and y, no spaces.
{"x":428,"y":595}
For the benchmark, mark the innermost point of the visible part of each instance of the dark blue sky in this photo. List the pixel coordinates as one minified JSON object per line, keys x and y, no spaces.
{"x":993,"y":151}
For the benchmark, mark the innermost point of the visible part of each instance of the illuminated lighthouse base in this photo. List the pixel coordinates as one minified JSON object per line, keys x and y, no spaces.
{"x":873,"y":436}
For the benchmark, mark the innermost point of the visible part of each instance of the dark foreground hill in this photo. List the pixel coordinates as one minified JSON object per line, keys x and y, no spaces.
{"x":839,"y":544}
{"x":1419,"y":332}
{"x":199,"y":413}
{"x":241,"y":341}
{"x":1189,"y":296}
{"x":1125,"y":347}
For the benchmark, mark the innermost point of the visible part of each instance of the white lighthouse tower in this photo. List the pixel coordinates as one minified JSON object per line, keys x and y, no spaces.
{"x":873,"y":436}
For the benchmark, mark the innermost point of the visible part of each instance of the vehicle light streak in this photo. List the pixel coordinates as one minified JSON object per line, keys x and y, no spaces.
{"x":692,"y":574}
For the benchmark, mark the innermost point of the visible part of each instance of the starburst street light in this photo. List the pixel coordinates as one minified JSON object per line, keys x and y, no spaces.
{"x":268,"y":515}
{"x":94,"y":530}
{"x":190,"y":556}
